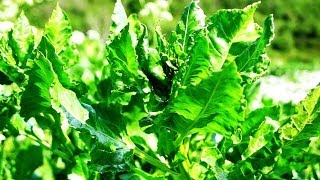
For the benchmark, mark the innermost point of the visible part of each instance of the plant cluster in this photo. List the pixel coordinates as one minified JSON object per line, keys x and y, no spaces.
{"x":178,"y":109}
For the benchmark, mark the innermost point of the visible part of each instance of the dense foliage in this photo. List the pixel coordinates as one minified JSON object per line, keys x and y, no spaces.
{"x":181,"y":108}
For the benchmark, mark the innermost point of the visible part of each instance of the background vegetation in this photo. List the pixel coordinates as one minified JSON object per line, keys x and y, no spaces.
{"x":297,"y":30}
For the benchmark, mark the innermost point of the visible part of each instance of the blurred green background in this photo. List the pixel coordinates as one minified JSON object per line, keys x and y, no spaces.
{"x":297,"y":28}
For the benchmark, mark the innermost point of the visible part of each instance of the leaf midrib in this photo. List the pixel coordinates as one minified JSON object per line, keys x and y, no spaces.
{"x":203,"y":110}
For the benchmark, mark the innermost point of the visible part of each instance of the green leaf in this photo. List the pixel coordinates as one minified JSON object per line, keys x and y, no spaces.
{"x":227,"y":27}
{"x":262,"y":136}
{"x":305,"y":123}
{"x":253,"y":61}
{"x":21,"y":39}
{"x":128,"y":79}
{"x":256,"y":117}
{"x":67,"y":99}
{"x":58,"y":29}
{"x":211,"y":106}
{"x":59,"y":67}
{"x":122,"y":55}
{"x":108,"y":152}
{"x":192,"y":20}
{"x":36,"y":98}
{"x":198,"y":66}
{"x":119,"y":20}
{"x":150,"y":60}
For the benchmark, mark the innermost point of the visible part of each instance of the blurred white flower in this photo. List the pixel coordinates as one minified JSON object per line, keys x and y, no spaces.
{"x":77,"y":37}
{"x":166,"y":16}
{"x":9,"y":11}
{"x":5,"y":26}
{"x":158,"y":10}
{"x":163,"y":4}
{"x":94,"y":35}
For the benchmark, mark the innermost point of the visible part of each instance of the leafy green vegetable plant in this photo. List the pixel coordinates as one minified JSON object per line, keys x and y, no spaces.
{"x":178,"y":108}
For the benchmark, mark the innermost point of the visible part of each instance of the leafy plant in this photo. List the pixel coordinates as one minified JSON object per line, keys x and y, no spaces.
{"x":178,"y":109}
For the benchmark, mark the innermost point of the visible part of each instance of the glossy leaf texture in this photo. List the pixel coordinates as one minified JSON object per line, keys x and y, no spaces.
{"x":192,"y":20}
{"x":227,"y":27}
{"x":211,"y":106}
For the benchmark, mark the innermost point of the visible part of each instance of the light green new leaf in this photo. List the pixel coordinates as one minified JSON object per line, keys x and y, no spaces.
{"x":130,"y":88}
{"x":210,"y":106}
{"x":162,"y":44}
{"x":253,"y":61}
{"x":36,"y":98}
{"x":305,"y":123}
{"x":58,"y":29}
{"x":192,"y":20}
{"x":119,"y":20}
{"x":21,"y":39}
{"x":8,"y":64}
{"x":230,"y":26}
{"x":67,"y":99}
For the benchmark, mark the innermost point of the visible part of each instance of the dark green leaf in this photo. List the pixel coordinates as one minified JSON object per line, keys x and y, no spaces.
{"x":36,"y":98}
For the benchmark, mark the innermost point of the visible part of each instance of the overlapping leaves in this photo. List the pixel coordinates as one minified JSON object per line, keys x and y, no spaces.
{"x":184,"y":92}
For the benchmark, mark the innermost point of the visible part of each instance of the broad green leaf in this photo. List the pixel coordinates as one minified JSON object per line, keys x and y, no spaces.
{"x":198,"y":66}
{"x":128,"y":79}
{"x":59,"y":67}
{"x":253,"y":61}
{"x":36,"y":98}
{"x":36,"y":101}
{"x":67,"y":99}
{"x":211,"y":106}
{"x":192,"y":20}
{"x":119,"y":20}
{"x":149,"y":59}
{"x":122,"y":55}
{"x":58,"y":29}
{"x":227,"y":27}
{"x":108,"y":152}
